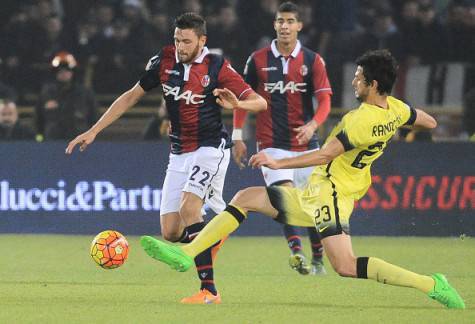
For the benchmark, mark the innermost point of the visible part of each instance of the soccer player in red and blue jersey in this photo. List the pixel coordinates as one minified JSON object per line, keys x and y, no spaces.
{"x":196,"y":85}
{"x":289,"y":76}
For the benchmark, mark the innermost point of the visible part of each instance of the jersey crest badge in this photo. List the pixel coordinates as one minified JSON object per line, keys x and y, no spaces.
{"x":304,"y":70}
{"x":205,"y":80}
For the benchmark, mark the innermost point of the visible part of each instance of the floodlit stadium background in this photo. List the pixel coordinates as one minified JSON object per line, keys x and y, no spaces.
{"x":418,"y":212}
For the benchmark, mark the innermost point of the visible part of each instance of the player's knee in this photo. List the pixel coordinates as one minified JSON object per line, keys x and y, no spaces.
{"x":239,"y":195}
{"x":171,"y":236}
{"x":345,"y":269}
{"x":345,"y":272}
{"x":188,"y":211}
{"x":239,"y":198}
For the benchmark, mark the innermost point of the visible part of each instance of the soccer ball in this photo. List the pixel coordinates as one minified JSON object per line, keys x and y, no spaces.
{"x":109,"y":249}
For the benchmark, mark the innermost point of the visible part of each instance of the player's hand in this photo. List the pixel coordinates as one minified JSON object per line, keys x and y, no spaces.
{"x":305,"y":132}
{"x":240,"y":153}
{"x":226,"y":98}
{"x":262,"y":159}
{"x":83,"y":140}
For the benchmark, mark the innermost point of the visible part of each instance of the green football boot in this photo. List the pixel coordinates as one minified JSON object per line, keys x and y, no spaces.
{"x":169,"y":254}
{"x":444,"y":293}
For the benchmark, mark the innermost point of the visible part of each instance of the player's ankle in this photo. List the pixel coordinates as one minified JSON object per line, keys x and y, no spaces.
{"x":211,"y":288}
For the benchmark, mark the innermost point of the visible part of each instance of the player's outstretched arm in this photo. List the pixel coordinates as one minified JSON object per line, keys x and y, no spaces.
{"x":324,"y":156}
{"x":424,"y":120}
{"x":118,"y":107}
{"x":228,"y":100}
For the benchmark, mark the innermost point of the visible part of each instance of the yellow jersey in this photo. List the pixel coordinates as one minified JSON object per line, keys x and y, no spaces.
{"x":364,"y":133}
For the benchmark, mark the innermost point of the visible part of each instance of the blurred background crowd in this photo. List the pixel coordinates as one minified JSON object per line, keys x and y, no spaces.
{"x":101,"y":48}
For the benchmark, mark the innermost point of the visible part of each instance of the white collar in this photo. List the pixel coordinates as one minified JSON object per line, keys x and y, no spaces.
{"x":199,"y":59}
{"x":276,"y":52}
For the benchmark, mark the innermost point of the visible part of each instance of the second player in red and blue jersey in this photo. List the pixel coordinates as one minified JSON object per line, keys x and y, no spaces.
{"x":291,"y":78}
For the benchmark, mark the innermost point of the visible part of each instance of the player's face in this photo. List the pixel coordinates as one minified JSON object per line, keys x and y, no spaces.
{"x":188,"y":45}
{"x":64,"y":75}
{"x":287,"y":27}
{"x":360,"y":86}
{"x":8,"y":114}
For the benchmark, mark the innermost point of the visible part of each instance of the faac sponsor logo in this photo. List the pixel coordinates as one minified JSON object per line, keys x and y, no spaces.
{"x":82,"y":196}
{"x":282,"y":88}
{"x":187,"y":95}
{"x":442,"y":193}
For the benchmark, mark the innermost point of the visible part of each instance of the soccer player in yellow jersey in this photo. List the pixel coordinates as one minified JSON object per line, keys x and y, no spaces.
{"x":341,"y":176}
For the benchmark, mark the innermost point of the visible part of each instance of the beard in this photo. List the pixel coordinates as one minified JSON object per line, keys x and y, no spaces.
{"x":361,"y":97}
{"x":189,"y":58}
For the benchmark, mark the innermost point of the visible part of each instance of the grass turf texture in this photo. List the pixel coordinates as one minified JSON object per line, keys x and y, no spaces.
{"x":52,"y":279}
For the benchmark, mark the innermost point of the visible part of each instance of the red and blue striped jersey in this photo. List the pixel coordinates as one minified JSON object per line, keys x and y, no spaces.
{"x":194,"y":115}
{"x":289,"y":84}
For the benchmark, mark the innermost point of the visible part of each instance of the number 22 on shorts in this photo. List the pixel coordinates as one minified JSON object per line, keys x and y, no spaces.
{"x":205,"y":175}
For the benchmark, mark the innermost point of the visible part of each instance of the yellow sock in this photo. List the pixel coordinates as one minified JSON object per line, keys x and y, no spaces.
{"x":390,"y":274}
{"x":220,"y":226}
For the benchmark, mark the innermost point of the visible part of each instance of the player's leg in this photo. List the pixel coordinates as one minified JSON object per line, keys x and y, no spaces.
{"x":171,"y":224}
{"x":190,"y":210}
{"x":206,"y":181}
{"x":249,"y":199}
{"x":181,"y":258}
{"x":281,"y":203}
{"x":332,"y":222}
{"x":317,"y":267}
{"x":208,"y":170}
{"x":340,"y":254}
{"x":285,"y":177}
{"x":181,"y":214}
{"x":301,"y":177}
{"x":297,"y":259}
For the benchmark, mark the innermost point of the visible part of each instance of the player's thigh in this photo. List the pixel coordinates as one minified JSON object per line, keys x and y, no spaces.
{"x":206,"y":166}
{"x":214,"y":195}
{"x":191,"y":208}
{"x":255,"y":199}
{"x":331,"y":211}
{"x":175,"y":180}
{"x":288,"y":203}
{"x":272,"y":177}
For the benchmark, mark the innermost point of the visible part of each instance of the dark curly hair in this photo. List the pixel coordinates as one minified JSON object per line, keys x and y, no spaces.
{"x":381,"y":66}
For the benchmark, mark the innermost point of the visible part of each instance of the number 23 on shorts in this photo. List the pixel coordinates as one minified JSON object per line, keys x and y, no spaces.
{"x":322,"y":215}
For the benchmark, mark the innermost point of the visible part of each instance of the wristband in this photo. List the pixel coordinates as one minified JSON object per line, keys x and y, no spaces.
{"x":237,"y":134}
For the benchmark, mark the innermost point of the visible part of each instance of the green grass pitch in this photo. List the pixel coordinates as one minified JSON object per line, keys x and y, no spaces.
{"x":52,"y":279}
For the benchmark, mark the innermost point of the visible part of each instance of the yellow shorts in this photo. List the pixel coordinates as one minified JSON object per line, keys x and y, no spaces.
{"x":318,"y":204}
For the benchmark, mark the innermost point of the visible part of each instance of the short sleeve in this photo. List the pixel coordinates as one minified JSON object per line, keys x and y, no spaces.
{"x":250,"y":72}
{"x":351,"y":133}
{"x":151,"y":78}
{"x":409,"y":115}
{"x":229,"y":78}
{"x":320,"y":77}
